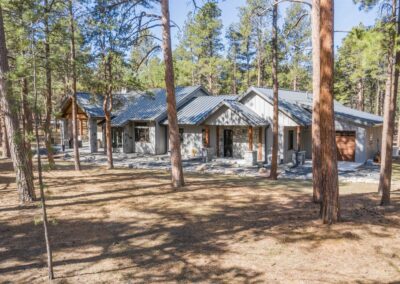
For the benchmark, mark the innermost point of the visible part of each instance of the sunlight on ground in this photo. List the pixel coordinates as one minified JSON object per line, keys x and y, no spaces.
{"x":129,"y":225}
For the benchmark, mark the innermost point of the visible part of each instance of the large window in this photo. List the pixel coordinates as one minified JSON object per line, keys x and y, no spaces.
{"x":181,"y":131}
{"x":117,"y":134}
{"x":142,"y":133}
{"x":291,"y":140}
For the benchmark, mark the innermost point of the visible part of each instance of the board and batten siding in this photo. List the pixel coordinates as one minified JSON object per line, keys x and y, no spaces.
{"x":266,"y":110}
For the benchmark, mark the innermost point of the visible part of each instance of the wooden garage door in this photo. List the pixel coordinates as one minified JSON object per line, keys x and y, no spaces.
{"x":346,"y":145}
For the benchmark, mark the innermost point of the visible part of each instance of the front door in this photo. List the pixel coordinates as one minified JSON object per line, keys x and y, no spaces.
{"x":228,"y":143}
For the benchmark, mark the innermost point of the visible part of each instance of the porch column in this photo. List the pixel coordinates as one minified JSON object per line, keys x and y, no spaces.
{"x":298,"y":138}
{"x":92,"y":129}
{"x":250,"y":138}
{"x":217,"y":144}
{"x":128,"y":139}
{"x":64,"y":132}
{"x":81,"y":128}
{"x":207,"y":136}
{"x":260,"y":148}
{"x":104,"y":138}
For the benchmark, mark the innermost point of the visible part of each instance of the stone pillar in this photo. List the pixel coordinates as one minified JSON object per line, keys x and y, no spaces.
{"x":92,"y":132}
{"x":104,"y":138}
{"x":127,"y":146}
{"x":64,"y":132}
{"x":260,"y":147}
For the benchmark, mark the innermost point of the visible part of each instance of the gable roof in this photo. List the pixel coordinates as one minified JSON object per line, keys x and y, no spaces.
{"x":201,"y":108}
{"x":198,"y":109}
{"x":151,"y":105}
{"x":92,"y":105}
{"x":298,"y":106}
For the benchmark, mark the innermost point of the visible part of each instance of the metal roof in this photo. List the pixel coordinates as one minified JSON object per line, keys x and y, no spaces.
{"x":91,"y":105}
{"x":298,"y":106}
{"x":151,"y":105}
{"x":198,"y":109}
{"x":246,"y":113}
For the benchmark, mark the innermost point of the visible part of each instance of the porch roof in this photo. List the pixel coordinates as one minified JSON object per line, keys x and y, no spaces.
{"x":199,"y":109}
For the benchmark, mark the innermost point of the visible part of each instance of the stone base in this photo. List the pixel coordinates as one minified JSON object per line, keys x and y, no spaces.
{"x":207,"y":154}
{"x":250,"y":158}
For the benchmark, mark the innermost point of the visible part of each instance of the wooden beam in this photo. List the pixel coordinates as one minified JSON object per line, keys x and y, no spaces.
{"x":217,"y":141}
{"x":81,"y":127}
{"x":207,"y":136}
{"x":260,"y":147}
{"x":298,"y":138}
{"x":250,"y":137}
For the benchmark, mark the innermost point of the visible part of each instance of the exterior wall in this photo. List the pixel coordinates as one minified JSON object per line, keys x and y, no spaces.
{"x":374,"y":136}
{"x":160,"y":139}
{"x":225,"y":117}
{"x":192,"y":143}
{"x":147,"y":147}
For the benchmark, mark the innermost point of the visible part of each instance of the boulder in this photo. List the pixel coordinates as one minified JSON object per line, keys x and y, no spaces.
{"x":201,"y":168}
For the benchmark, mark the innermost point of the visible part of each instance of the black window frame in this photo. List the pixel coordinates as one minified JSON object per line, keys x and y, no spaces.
{"x":181,"y":132}
{"x":140,"y":132}
{"x":291,"y":140}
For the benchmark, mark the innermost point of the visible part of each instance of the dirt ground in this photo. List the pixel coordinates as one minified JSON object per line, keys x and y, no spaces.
{"x":129,"y":226}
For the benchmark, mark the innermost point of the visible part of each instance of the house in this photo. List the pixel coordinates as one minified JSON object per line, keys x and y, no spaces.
{"x":223,"y":126}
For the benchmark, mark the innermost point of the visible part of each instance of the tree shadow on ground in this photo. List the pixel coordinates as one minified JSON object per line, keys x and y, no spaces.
{"x":180,"y":235}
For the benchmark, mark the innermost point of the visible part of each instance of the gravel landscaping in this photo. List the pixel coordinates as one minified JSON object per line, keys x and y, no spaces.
{"x":348,"y":172}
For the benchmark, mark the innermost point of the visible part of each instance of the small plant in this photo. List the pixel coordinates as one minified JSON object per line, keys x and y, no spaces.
{"x":194,"y":152}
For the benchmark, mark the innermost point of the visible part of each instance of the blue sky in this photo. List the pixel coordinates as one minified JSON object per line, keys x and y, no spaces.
{"x":347,"y":15}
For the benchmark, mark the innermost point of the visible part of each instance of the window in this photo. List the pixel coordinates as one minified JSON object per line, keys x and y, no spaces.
{"x":181,"y":134}
{"x":291,"y":140}
{"x":142,"y":133}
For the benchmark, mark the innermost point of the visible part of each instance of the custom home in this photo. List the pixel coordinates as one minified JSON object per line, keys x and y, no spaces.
{"x":220,"y":126}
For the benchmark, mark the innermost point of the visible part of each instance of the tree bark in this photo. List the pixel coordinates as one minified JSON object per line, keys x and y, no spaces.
{"x":389,"y":111}
{"x":174,"y":138}
{"x":49,"y":91}
{"x":73,"y":85}
{"x":330,"y":203}
{"x":5,"y":146}
{"x":378,"y":99}
{"x":27,"y":118}
{"x":41,"y":185}
{"x":360,"y":95}
{"x":274,"y":163}
{"x":316,"y":132}
{"x":107,"y":107}
{"x":24,"y":177}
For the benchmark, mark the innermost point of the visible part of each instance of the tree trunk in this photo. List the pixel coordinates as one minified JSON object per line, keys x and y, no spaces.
{"x":360,"y":95}
{"x":27,"y":118}
{"x":41,"y":185}
{"x":49,"y":91}
{"x":378,"y":99}
{"x":330,"y":202}
{"x":24,"y":177}
{"x":274,"y":162}
{"x":5,"y":150}
{"x":73,"y":97}
{"x":107,"y":107}
{"x":316,"y":135}
{"x":389,"y":112}
{"x":174,"y":137}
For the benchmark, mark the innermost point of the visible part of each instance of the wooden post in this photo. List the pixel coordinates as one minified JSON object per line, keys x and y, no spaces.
{"x":260,"y":148}
{"x":298,"y":138}
{"x":250,"y":137}
{"x":81,"y":128}
{"x":207,"y":137}
{"x":217,"y":141}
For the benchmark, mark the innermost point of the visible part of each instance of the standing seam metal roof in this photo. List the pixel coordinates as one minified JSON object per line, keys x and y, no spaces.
{"x":298,"y":105}
{"x":150,"y":105}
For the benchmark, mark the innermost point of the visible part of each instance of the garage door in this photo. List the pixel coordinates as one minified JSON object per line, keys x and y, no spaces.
{"x":346,"y":145}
